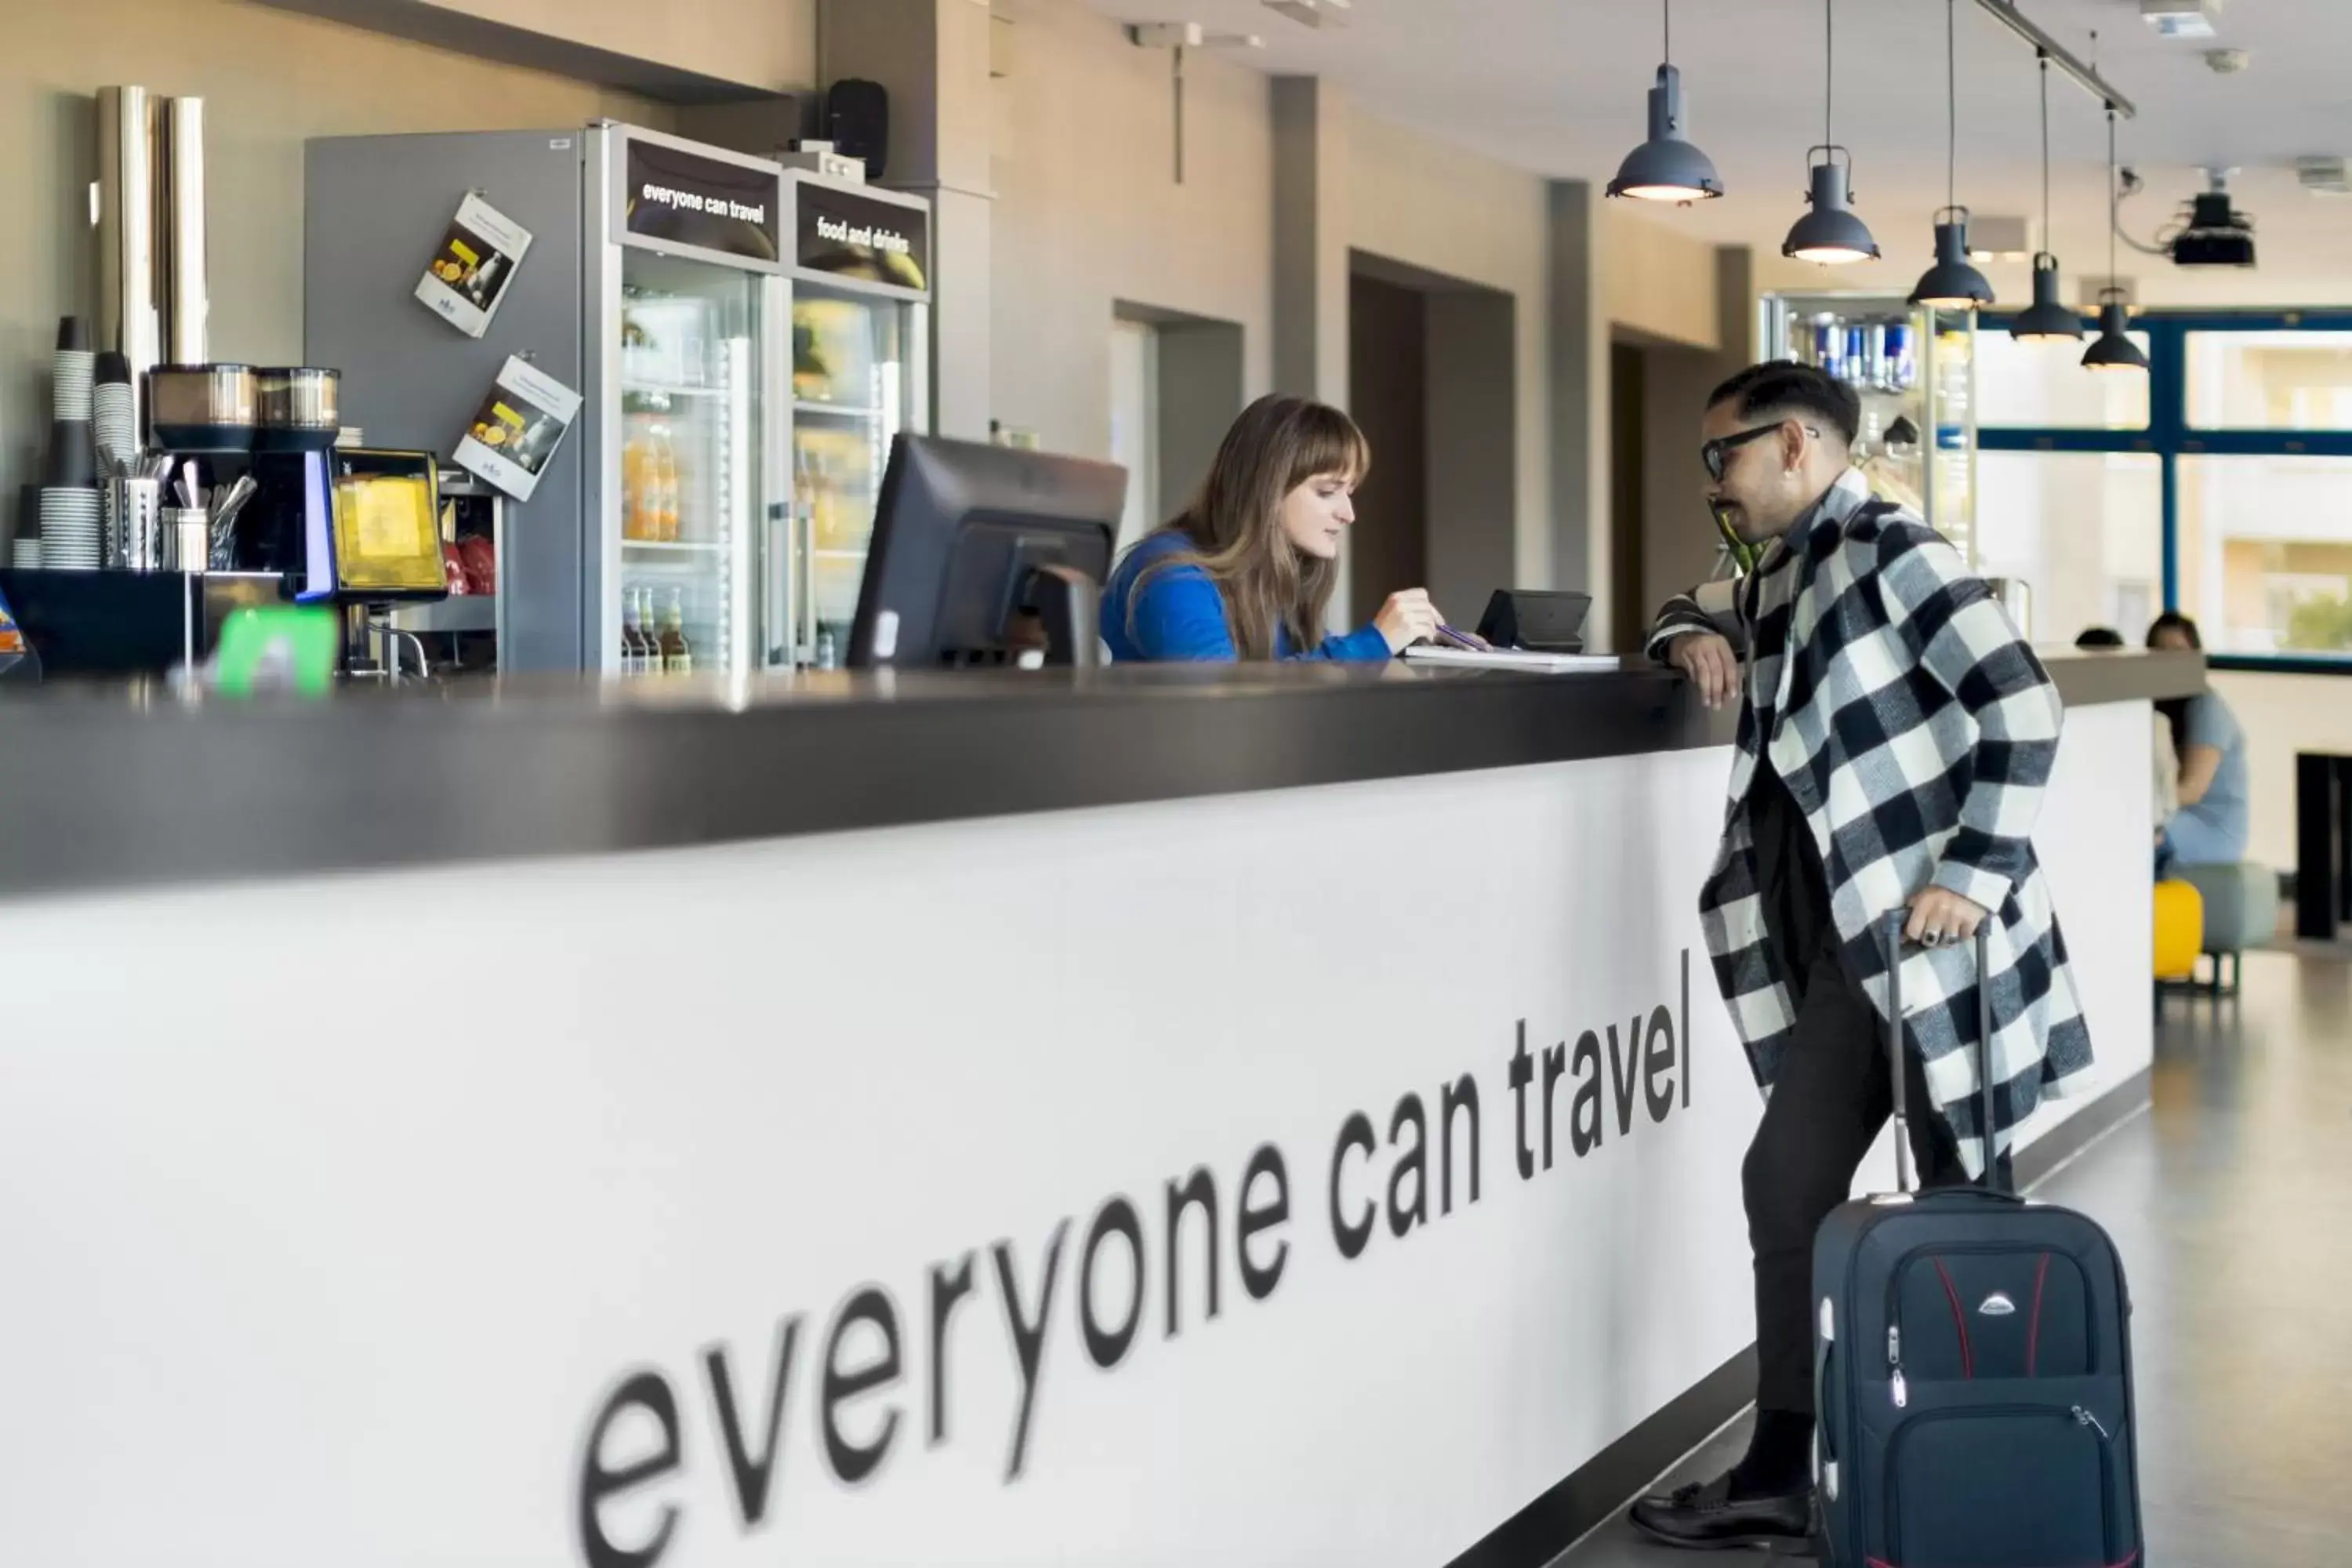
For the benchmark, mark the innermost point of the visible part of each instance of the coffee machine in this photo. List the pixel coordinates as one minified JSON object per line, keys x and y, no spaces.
{"x":352,"y":528}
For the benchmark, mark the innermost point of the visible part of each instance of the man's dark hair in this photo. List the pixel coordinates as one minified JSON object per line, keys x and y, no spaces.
{"x":1787,"y":390}
{"x":2100,"y":636}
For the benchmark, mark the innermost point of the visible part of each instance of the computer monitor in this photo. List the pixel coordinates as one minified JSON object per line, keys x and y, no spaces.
{"x":985,"y":556}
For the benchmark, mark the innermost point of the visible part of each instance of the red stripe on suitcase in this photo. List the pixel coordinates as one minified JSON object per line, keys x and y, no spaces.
{"x":2033,"y":1324}
{"x":1959,"y":1319}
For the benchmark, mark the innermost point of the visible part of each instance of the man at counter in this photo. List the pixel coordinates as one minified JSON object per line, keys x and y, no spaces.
{"x":1896,"y":735}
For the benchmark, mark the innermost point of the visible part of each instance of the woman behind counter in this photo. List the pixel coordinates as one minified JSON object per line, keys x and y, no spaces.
{"x":2216,"y":816}
{"x":1248,"y":570}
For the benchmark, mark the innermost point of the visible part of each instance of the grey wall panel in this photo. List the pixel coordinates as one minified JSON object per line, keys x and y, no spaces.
{"x":375,"y":207}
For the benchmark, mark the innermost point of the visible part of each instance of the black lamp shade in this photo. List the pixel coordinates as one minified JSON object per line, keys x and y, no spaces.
{"x":1830,"y":233}
{"x":1953,"y":283}
{"x":1667,"y":168}
{"x":2114,"y":349}
{"x":2047,"y":321}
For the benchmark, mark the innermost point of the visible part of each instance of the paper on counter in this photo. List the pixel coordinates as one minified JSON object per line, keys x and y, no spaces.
{"x":1517,"y":658}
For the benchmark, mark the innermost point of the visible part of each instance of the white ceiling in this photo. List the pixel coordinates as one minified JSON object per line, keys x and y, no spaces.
{"x":1556,"y":87}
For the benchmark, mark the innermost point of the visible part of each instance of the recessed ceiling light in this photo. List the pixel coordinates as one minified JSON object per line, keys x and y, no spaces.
{"x":2180,"y":19}
{"x":1313,"y":13}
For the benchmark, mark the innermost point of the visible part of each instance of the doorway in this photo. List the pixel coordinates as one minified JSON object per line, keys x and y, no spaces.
{"x":1135,"y":424}
{"x":1175,"y":389}
{"x":1432,"y":379}
{"x":1387,"y":392}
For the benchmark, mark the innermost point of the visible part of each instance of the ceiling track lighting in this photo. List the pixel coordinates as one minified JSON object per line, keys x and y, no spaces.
{"x":1830,"y":233}
{"x":2047,"y":320}
{"x":2051,"y":50}
{"x":2114,"y":350}
{"x":1666,"y":167}
{"x":1953,"y":283}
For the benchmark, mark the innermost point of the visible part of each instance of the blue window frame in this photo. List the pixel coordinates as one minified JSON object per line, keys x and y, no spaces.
{"x":2170,"y":436}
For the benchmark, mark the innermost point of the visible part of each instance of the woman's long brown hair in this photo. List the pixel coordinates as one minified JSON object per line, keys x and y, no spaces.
{"x":1234,"y":525}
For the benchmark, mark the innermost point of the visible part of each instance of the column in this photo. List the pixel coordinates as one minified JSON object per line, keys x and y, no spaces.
{"x":1310,"y":253}
{"x":933,"y":57}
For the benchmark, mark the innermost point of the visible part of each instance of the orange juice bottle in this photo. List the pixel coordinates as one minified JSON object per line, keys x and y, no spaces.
{"x":633,"y":490}
{"x":666,"y":489}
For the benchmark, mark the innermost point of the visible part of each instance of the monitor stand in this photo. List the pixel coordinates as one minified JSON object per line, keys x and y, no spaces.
{"x":1068,"y":604}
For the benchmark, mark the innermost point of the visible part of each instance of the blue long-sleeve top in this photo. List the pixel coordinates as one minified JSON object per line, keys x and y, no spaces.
{"x":1180,"y":616}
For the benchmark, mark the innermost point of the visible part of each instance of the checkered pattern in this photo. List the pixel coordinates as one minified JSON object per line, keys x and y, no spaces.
{"x":1917,"y":731}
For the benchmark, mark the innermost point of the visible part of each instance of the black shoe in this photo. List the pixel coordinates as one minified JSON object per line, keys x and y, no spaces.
{"x":1703,"y":1515}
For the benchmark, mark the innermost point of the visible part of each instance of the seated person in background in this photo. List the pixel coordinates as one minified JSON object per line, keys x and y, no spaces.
{"x":2166,"y":780}
{"x":2214,"y":821}
{"x":1247,"y":571}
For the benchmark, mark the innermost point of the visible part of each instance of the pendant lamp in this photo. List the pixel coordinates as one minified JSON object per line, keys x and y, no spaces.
{"x":1667,"y":168}
{"x":2047,"y":320}
{"x":1953,"y":283}
{"x":1830,"y":233}
{"x":2114,"y":350}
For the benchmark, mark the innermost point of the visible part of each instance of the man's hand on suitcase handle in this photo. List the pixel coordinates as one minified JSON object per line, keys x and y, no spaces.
{"x":1939,"y":916}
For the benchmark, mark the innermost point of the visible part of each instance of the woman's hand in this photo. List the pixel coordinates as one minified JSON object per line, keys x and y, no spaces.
{"x":1407,"y":618}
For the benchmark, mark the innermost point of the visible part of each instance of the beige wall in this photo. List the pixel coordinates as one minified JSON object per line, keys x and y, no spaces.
{"x":1658,"y":282}
{"x":1089,"y":213}
{"x":270,"y":80}
{"x":1443,"y":210}
{"x":768,"y":43}
{"x":2283,"y":714}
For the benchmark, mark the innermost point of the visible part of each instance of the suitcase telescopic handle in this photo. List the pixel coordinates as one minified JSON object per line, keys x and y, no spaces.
{"x":1894,"y":1050}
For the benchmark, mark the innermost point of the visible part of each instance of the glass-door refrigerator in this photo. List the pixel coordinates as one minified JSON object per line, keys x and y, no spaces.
{"x":654,"y":283}
{"x":1915,"y":370}
{"x":860,"y":288}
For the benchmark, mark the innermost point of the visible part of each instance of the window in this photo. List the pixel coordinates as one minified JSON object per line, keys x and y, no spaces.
{"x":2086,"y":529}
{"x":2284,"y":380}
{"x":2243,"y":428}
{"x":2043,"y":386}
{"x":2265,"y":553}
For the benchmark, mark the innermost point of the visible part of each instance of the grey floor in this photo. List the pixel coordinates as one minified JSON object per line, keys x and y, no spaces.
{"x":2232,"y":1202}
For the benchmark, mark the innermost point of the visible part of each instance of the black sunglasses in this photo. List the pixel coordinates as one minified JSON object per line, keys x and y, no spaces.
{"x":1714,"y":452}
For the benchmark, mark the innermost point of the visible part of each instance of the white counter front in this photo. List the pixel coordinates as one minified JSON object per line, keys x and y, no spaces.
{"x":817,"y":1200}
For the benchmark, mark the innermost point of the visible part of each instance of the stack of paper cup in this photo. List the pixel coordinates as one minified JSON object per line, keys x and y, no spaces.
{"x":71,"y":447}
{"x":114,"y":417}
{"x":25,"y":551}
{"x":71,"y":531}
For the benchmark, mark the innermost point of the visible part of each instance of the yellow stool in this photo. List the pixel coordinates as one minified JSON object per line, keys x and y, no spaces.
{"x":2179,"y":929}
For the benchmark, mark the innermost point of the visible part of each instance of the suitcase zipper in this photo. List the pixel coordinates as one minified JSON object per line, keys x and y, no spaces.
{"x":1894,"y":1364}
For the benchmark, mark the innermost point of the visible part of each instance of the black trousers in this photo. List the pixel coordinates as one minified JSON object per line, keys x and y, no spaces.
{"x":1831,"y":1098}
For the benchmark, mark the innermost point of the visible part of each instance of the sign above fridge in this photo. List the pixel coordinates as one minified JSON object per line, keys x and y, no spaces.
{"x":862,"y":236}
{"x":703,"y":202}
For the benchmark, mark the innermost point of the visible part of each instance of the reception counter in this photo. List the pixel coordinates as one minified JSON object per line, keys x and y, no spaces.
{"x":1275,"y":1117}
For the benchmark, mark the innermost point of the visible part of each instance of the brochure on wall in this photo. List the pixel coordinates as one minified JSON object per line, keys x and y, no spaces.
{"x":468,"y":275}
{"x":522,"y":422}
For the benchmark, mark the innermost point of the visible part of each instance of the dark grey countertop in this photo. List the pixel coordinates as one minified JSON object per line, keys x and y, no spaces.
{"x":110,"y":787}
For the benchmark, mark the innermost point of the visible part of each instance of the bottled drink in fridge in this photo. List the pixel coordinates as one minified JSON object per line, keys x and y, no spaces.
{"x":1857,"y":352}
{"x":633,"y":640}
{"x":662,"y":486}
{"x":635,"y":490}
{"x":677,"y":656}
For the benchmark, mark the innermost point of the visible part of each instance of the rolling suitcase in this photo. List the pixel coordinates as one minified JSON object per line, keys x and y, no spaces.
{"x":1973,"y":1368}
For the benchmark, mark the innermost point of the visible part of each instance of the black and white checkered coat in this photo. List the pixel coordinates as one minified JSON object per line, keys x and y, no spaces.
{"x":1916,"y":731}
